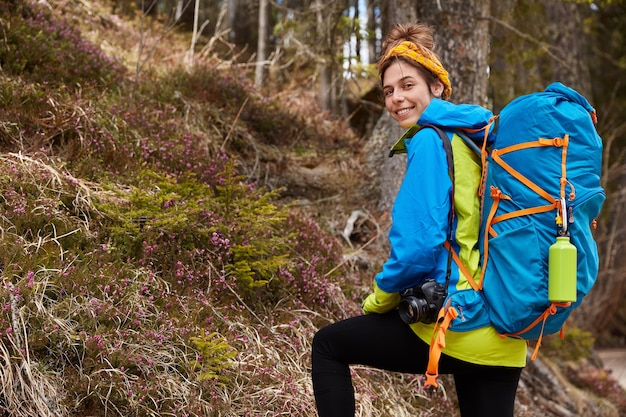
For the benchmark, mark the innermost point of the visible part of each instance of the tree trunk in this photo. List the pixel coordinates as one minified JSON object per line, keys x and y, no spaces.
{"x":390,"y":171}
{"x":356,"y":29}
{"x":178,"y":13}
{"x":195,"y":34}
{"x":566,"y":34}
{"x":462,"y":39}
{"x":536,"y":43}
{"x":371,"y":31}
{"x":261,"y":45}
{"x":324,"y":71}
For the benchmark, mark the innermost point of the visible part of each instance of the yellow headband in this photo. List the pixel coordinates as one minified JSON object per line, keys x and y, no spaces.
{"x":426,"y":59}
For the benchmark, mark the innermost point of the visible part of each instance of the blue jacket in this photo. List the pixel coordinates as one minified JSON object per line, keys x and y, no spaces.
{"x":420,"y":211}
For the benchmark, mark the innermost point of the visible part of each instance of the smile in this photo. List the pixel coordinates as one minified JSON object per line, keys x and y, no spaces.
{"x":404,"y":111}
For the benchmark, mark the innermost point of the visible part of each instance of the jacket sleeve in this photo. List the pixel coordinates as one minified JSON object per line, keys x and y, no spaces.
{"x":419,"y":216}
{"x":380,"y":301}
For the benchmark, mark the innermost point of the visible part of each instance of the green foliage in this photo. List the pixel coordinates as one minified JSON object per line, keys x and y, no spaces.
{"x":576,"y":344}
{"x":258,"y":256}
{"x":215,"y":355}
{"x":172,"y":223}
{"x":112,"y":279}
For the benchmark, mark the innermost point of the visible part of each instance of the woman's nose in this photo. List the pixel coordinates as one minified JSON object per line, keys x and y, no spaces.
{"x":397,"y":96}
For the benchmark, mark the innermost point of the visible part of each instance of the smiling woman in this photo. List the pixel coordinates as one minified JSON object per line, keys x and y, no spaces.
{"x":406,"y":93}
{"x":430,"y":214}
{"x":411,"y":73}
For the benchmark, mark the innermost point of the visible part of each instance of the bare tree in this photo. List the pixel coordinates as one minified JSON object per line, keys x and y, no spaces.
{"x":371,"y":30}
{"x":462,"y":38}
{"x":261,"y":44}
{"x":324,"y":67}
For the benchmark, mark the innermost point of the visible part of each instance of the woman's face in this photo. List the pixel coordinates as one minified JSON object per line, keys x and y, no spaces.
{"x":406,"y":93}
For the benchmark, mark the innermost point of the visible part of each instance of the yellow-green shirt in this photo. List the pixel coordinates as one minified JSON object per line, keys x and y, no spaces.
{"x":482,"y":346}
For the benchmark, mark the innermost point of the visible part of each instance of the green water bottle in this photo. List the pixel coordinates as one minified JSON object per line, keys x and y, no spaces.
{"x":562,"y":271}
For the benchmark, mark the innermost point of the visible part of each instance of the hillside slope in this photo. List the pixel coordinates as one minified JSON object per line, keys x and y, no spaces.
{"x":172,"y":239}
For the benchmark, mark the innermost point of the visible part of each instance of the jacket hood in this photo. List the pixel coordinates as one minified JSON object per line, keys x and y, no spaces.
{"x":470,"y":118}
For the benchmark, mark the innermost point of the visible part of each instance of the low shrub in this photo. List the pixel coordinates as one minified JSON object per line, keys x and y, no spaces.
{"x":44,"y":49}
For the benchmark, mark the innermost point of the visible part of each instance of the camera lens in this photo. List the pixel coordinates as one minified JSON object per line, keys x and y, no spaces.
{"x":413,"y":309}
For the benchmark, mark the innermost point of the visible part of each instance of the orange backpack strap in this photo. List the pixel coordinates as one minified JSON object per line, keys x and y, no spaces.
{"x":457,"y":260}
{"x":496,"y":195}
{"x":563,"y":143}
{"x":551,"y":310}
{"x":526,"y":212}
{"x":438,"y":342}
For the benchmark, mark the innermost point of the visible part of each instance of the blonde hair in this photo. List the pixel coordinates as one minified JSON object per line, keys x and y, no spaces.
{"x":414,"y":44}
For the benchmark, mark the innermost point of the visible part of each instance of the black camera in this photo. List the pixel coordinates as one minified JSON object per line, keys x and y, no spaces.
{"x":422,"y":302}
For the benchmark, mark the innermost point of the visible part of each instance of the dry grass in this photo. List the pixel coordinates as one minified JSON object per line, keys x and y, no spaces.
{"x":26,"y":389}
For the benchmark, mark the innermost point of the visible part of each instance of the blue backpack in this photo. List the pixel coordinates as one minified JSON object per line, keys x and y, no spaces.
{"x":541,"y":160}
{"x":543,"y":168}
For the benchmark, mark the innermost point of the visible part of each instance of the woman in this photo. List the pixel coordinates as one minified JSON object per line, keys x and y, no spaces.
{"x":486,"y":367}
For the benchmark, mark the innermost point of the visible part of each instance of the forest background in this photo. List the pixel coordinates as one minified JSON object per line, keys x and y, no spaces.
{"x":192,"y":188}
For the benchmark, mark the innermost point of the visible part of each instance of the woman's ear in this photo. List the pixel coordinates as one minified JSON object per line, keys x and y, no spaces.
{"x":436,"y":89}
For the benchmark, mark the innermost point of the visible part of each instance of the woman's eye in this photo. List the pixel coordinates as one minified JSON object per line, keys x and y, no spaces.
{"x":407,"y":86}
{"x":388,"y":93}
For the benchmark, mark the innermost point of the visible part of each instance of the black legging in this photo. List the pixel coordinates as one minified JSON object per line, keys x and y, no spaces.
{"x":384,"y":341}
